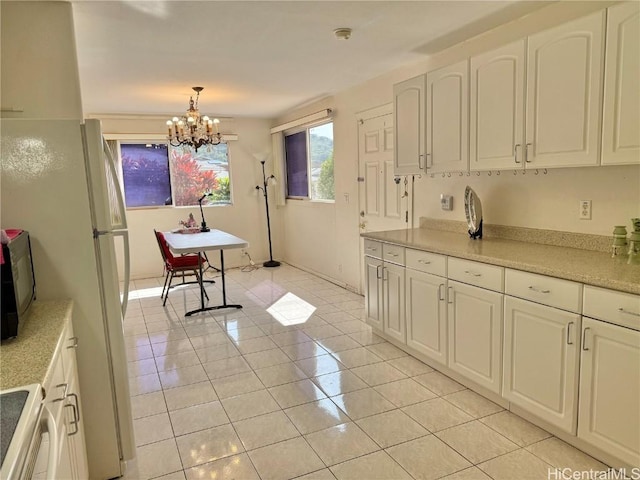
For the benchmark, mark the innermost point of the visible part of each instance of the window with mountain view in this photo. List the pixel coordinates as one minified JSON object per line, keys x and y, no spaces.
{"x":158,"y":174}
{"x":309,"y":163}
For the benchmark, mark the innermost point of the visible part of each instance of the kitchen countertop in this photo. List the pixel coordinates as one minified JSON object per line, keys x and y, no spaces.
{"x":585,"y":266}
{"x":25,"y":359}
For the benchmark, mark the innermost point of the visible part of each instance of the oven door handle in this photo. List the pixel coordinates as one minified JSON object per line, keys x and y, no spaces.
{"x":54,"y":448}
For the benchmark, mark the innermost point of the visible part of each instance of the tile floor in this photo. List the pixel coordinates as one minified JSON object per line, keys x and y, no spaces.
{"x":295,"y":385}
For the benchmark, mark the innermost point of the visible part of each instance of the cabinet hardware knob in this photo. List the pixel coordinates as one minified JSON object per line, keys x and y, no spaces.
{"x":475,"y":274}
{"x":569,"y":341}
{"x":74,"y":344}
{"x":584,"y":338}
{"x":538,"y":290}
{"x":515,"y":152}
{"x":440,"y":295}
{"x":64,"y":386}
{"x":526,"y":153}
{"x":424,"y":262}
{"x":450,"y":295}
{"x":622,"y":310}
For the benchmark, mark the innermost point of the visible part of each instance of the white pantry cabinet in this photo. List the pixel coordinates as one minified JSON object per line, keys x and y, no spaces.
{"x":447,"y":118}
{"x":409,"y":116}
{"x":564,"y":94}
{"x":426,"y":307}
{"x":475,"y":333}
{"x":541,"y":351}
{"x":496,"y":132}
{"x":621,"y":116}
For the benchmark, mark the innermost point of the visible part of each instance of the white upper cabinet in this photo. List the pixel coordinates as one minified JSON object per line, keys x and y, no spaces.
{"x":408,"y":111}
{"x":621,"y":117}
{"x":496,"y":130}
{"x":447,"y":118}
{"x":564,"y":79}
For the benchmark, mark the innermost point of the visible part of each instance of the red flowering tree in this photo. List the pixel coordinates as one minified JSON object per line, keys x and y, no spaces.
{"x":189,"y":180}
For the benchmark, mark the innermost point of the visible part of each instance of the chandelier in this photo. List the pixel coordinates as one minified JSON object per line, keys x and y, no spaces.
{"x":192,"y":129}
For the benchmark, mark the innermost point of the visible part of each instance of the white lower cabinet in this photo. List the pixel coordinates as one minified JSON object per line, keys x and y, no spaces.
{"x":541,"y":349}
{"x":475,"y":333}
{"x":384,"y":284}
{"x":393,"y":301}
{"x":609,"y":409}
{"x":567,"y":353}
{"x":373,"y":293}
{"x":426,"y":314}
{"x":63,"y":400}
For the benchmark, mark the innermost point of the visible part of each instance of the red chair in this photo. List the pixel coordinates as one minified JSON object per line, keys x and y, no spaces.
{"x":185,"y":265}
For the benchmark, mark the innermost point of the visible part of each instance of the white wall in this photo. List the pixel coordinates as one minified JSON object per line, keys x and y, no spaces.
{"x":39,"y":68}
{"x":543,"y":201}
{"x":246,"y":218}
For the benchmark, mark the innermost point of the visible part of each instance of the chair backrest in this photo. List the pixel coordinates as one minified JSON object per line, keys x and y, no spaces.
{"x":167,"y":256}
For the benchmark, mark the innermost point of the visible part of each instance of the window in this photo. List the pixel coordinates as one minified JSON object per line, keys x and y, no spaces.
{"x":194,"y":173}
{"x":158,"y":174}
{"x":145,"y":171}
{"x":309,"y":163}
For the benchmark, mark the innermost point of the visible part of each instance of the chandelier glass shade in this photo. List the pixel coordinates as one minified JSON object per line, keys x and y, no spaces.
{"x":193,"y":129}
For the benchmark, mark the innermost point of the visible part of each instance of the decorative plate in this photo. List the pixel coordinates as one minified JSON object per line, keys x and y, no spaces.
{"x":473,"y":212}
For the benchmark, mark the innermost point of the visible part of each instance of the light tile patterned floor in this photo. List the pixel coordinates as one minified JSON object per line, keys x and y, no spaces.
{"x":295,"y":385}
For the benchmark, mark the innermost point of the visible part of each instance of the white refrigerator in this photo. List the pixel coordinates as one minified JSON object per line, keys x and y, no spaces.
{"x":59,"y":183}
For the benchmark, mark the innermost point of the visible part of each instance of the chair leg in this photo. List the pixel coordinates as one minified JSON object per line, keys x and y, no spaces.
{"x":166,"y":278}
{"x":168,"y":288}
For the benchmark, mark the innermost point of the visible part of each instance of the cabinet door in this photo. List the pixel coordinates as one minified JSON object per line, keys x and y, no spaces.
{"x":373,"y":294}
{"x":541,"y":361}
{"x":447,"y":121}
{"x":408,"y":111}
{"x":475,"y":334}
{"x":393,"y":301}
{"x":564,"y":71}
{"x":65,"y":469}
{"x":621,"y":117}
{"x":496,"y":131}
{"x":610,"y":389}
{"x":426,"y":314}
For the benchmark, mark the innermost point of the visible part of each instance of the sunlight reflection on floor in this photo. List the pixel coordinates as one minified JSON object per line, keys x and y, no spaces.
{"x":291,"y":310}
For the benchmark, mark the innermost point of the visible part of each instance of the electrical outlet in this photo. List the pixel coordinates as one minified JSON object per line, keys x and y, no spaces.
{"x":585,"y":210}
{"x":243,"y":252}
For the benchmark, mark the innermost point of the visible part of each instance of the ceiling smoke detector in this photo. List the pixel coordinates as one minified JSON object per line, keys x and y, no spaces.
{"x":342,"y":33}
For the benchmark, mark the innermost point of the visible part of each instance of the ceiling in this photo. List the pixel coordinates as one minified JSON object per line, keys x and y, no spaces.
{"x":258,"y":58}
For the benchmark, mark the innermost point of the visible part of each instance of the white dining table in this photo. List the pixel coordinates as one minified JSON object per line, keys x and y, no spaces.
{"x":202,"y":242}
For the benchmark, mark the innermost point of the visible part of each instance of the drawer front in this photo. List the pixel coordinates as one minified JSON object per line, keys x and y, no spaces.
{"x":426,"y":262}
{"x":614,"y":307}
{"x":474,"y":273}
{"x":554,"y":292}
{"x":393,"y":254}
{"x":372,"y":248}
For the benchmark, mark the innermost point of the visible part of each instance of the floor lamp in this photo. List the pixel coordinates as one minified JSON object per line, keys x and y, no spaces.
{"x":265,"y":182}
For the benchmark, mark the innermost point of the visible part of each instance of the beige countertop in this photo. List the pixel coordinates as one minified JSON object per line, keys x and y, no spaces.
{"x":585,"y":266}
{"x":25,"y":359}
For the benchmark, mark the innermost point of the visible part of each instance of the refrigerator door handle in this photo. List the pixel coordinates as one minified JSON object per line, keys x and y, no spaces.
{"x":127,"y":268}
{"x":118,"y":191}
